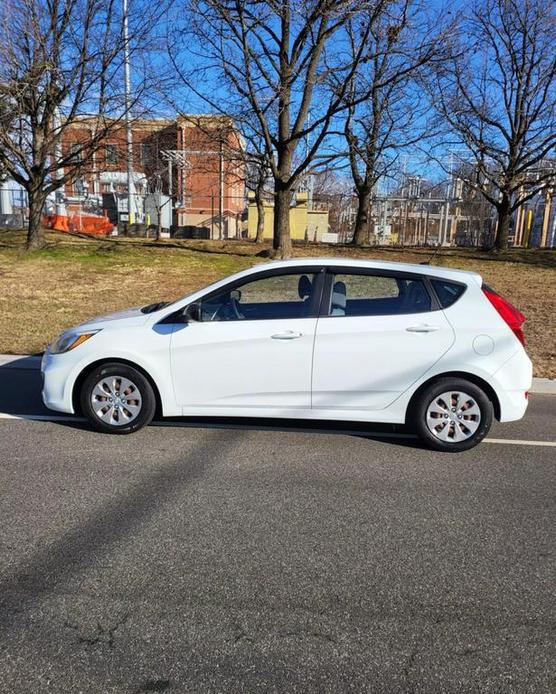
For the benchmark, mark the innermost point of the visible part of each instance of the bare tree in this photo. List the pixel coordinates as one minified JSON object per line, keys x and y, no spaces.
{"x":59,"y":59}
{"x":498,"y":96}
{"x":403,"y":39}
{"x":277,"y":60}
{"x":258,"y":174}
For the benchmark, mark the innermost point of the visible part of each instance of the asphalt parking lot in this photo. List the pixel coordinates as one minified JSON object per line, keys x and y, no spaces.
{"x":221,"y":556}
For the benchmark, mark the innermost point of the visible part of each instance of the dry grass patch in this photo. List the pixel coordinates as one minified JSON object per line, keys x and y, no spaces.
{"x":74,"y":279}
{"x":45,"y":292}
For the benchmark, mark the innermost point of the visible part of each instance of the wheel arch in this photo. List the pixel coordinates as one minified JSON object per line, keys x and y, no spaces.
{"x":473,"y":378}
{"x":114,"y":360}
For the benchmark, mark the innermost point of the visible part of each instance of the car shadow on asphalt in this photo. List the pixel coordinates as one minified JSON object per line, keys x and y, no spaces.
{"x":20,"y":387}
{"x":387,"y":433}
{"x":384,"y":433}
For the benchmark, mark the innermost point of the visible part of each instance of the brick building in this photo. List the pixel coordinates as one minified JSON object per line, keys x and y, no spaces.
{"x":194,"y":159}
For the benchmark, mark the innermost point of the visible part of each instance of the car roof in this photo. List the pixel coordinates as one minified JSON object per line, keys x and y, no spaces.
{"x":430,"y":270}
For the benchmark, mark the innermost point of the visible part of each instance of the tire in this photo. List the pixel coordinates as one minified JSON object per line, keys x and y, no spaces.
{"x":117,"y":399}
{"x":463,"y":411}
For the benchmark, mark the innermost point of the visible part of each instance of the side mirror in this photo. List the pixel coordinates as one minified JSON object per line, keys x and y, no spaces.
{"x":192,"y":313}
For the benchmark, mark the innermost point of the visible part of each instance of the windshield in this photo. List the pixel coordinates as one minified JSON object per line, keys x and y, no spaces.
{"x":151,"y":308}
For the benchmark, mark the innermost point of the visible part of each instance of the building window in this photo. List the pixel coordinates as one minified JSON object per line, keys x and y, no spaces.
{"x":111,"y":154}
{"x":147,"y":154}
{"x":76,"y":153}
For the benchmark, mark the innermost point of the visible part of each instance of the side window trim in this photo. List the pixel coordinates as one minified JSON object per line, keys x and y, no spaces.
{"x":331,"y":271}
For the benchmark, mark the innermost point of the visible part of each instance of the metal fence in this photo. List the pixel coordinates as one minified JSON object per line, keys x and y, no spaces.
{"x":395,"y":220}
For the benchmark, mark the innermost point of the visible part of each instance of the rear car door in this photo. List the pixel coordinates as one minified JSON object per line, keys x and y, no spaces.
{"x":378,"y":333}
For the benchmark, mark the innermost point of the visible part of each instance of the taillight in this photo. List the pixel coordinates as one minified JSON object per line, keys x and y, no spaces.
{"x":514,"y":318}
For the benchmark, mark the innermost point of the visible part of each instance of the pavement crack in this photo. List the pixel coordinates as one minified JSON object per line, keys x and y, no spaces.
{"x":409,"y":667}
{"x":242,"y":635}
{"x":103,"y":635}
{"x":153,"y":686}
{"x":314,"y":634}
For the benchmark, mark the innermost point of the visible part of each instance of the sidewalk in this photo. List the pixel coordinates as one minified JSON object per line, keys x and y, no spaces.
{"x":544,"y":386}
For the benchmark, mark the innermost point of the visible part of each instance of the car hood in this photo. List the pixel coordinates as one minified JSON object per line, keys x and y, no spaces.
{"x":129,"y":317}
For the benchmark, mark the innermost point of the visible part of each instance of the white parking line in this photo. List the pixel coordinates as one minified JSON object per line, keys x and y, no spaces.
{"x":42,"y":417}
{"x":371,"y":434}
{"x":519,"y":442}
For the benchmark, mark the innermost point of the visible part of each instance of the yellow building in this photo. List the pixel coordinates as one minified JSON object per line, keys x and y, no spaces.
{"x":305,"y":223}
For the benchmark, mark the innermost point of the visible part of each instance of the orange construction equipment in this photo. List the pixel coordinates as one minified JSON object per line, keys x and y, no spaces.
{"x":83,"y":223}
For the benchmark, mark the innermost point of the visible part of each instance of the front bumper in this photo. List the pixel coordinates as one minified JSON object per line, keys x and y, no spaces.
{"x":57,"y":385}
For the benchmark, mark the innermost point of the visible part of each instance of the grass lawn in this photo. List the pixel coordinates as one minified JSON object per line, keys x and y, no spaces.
{"x":73,"y":279}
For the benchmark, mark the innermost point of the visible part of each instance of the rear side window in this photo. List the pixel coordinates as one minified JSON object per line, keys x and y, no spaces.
{"x":448,"y":292}
{"x":377,"y":295}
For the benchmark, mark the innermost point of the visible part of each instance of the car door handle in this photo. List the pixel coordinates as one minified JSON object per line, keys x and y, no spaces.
{"x":286,"y":335}
{"x":424,"y":328}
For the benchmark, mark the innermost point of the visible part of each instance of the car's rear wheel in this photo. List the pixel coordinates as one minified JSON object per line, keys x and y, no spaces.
{"x":452,"y":415}
{"x":117,"y":399}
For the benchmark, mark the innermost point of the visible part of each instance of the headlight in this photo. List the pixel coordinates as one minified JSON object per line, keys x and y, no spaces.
{"x":69,"y":341}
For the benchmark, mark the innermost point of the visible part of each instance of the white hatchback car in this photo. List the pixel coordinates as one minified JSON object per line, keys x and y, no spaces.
{"x":337,"y":339}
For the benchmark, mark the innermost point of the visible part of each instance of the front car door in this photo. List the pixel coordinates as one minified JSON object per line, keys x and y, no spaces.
{"x":250,"y":351}
{"x":378,"y":333}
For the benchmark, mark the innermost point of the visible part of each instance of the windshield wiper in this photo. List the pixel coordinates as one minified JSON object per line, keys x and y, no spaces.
{"x":151,"y":308}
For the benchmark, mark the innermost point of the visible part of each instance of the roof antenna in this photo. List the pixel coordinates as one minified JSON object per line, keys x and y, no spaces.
{"x":433,"y":256}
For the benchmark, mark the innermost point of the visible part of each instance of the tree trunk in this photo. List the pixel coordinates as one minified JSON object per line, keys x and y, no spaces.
{"x":159,"y":223}
{"x":260,"y":217}
{"x":281,"y":243}
{"x":35,"y":230}
{"x":503,"y":226}
{"x":361,"y":234}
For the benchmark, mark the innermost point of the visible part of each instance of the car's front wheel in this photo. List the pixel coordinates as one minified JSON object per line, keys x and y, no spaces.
{"x":117,"y":399}
{"x":452,"y":415}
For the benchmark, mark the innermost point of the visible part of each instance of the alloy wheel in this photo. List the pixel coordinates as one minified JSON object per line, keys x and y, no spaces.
{"x":116,"y":400}
{"x":453,"y":416}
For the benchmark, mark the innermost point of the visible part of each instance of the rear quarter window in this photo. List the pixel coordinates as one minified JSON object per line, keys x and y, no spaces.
{"x":447,"y":292}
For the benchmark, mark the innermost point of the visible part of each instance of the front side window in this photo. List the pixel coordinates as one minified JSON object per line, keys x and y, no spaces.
{"x":377,"y":295}
{"x":266,"y":298}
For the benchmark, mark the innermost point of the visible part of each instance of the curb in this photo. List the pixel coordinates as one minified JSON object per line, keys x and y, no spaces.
{"x":541,"y":386}
{"x":545,"y":386}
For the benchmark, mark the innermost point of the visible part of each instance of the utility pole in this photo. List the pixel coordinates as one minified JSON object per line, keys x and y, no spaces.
{"x":59,"y":193}
{"x":445,"y":238}
{"x":128,"y":133}
{"x":310,"y":181}
{"x":221,"y":192}
{"x":449,"y":195}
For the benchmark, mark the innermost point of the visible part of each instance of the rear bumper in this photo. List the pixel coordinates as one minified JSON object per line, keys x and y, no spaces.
{"x":512,"y":382}
{"x":513,"y":405}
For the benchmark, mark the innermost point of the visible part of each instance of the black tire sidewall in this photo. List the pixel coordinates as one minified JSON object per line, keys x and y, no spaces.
{"x":148,"y":399}
{"x":441,"y":386}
